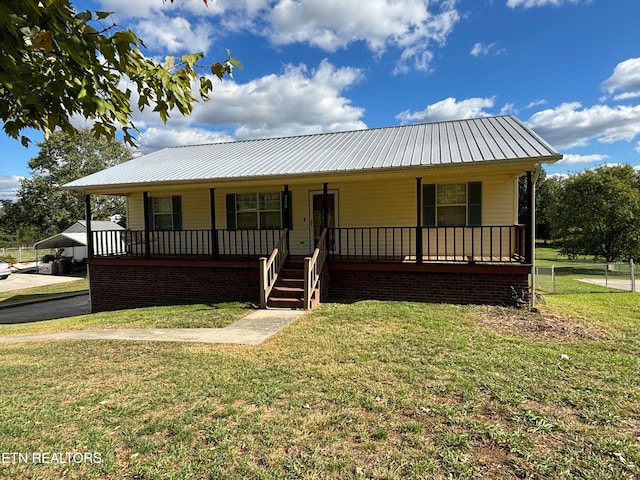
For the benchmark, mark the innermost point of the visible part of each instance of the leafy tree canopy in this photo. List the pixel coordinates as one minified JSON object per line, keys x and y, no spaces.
{"x":56,"y":63}
{"x":598,"y":213}
{"x":41,"y":208}
{"x":547,"y":191}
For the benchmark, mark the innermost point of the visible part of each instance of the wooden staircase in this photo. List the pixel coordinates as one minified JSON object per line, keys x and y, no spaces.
{"x":288,"y":291}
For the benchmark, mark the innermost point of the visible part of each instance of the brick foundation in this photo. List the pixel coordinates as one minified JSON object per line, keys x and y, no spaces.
{"x":124,"y":283}
{"x":118,"y":283}
{"x":461,"y":284}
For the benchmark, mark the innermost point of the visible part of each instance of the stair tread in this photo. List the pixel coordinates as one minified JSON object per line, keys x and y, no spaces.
{"x":288,"y":291}
{"x":285,"y":302}
{"x":290,"y":275}
{"x":290,"y":280}
{"x":284,"y":288}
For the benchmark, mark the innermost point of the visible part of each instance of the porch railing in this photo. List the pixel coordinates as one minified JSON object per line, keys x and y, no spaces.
{"x":180,"y":243}
{"x":481,"y":244}
{"x":270,"y":268}
{"x":487,"y":244}
{"x":313,"y":268}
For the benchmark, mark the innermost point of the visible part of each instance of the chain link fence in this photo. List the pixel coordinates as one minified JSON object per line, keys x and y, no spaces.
{"x":587,"y":278}
{"x":22,"y":254}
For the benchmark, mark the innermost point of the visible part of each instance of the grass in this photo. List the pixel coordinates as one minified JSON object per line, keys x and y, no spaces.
{"x":569,"y":271}
{"x":47,"y":291}
{"x":365,"y":390}
{"x":180,"y":316}
{"x":176,"y":316}
{"x":370,"y":389}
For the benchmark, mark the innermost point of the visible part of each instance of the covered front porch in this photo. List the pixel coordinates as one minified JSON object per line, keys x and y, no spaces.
{"x":452,"y":264}
{"x":460,"y":264}
{"x":496,"y":244}
{"x":470,"y":242}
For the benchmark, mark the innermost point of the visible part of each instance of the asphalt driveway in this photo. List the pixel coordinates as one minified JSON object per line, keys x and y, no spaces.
{"x":69,"y":306}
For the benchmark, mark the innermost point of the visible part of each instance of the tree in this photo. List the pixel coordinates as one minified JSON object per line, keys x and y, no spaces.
{"x":56,"y":63}
{"x":546,"y":195}
{"x":598,"y":213}
{"x":41,"y":208}
{"x":547,"y":192}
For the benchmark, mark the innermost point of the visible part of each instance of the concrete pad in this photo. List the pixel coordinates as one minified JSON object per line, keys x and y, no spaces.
{"x":250,"y":330}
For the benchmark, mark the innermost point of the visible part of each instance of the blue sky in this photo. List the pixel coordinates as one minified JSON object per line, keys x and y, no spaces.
{"x":570,"y":69}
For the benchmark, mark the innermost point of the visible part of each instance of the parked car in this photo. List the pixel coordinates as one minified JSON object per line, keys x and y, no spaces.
{"x":5,"y":270}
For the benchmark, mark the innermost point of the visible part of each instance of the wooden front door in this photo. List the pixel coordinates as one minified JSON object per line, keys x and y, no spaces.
{"x":316,"y":202}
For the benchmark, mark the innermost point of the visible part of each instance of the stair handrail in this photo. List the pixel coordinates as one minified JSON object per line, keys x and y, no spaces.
{"x":270,"y":268}
{"x":313,"y":268}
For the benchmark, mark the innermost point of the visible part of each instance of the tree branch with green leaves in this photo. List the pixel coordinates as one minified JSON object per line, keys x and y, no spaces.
{"x":56,"y":63}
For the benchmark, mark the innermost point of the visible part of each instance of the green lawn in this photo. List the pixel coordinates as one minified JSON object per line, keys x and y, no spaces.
{"x":568,"y":273}
{"x":365,"y":390}
{"x":182,"y":316}
{"x":47,"y":291}
{"x":199,"y":315}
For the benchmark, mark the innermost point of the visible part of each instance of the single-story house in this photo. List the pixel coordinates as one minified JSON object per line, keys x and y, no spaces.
{"x":425,"y":212}
{"x":73,"y":242}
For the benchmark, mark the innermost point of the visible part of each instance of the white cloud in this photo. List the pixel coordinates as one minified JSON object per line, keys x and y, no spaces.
{"x":484,"y":50}
{"x":449,"y":109}
{"x":175,"y":34}
{"x":508,"y":109}
{"x":540,"y":3}
{"x":572,"y":159}
{"x":125,"y":9}
{"x":299,"y":101}
{"x":155,"y":138}
{"x":410,"y":25}
{"x":511,"y":109}
{"x":570,"y":125}
{"x":536,"y":103}
{"x":625,"y":78}
{"x":9,"y":185}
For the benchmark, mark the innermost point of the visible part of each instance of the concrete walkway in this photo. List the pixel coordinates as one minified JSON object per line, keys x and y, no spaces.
{"x":250,"y":330}
{"x":615,"y":283}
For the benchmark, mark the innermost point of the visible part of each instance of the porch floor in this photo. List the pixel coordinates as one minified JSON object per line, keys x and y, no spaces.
{"x":460,"y":259}
{"x":406,"y":259}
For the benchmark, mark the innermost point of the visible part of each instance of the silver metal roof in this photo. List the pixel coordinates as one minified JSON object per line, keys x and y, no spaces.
{"x":61,"y":240}
{"x":428,"y":144}
{"x":96,"y":225}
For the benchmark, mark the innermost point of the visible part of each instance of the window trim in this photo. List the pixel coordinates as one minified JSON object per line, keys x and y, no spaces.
{"x":232,"y":210}
{"x":473,"y":204}
{"x":176,"y":212}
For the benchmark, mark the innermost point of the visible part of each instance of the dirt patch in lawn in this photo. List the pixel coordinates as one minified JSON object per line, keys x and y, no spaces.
{"x":543,"y":325}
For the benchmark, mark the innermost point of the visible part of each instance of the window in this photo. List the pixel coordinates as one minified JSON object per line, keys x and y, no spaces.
{"x":452,"y":205}
{"x":165,"y":213}
{"x":254,"y":211}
